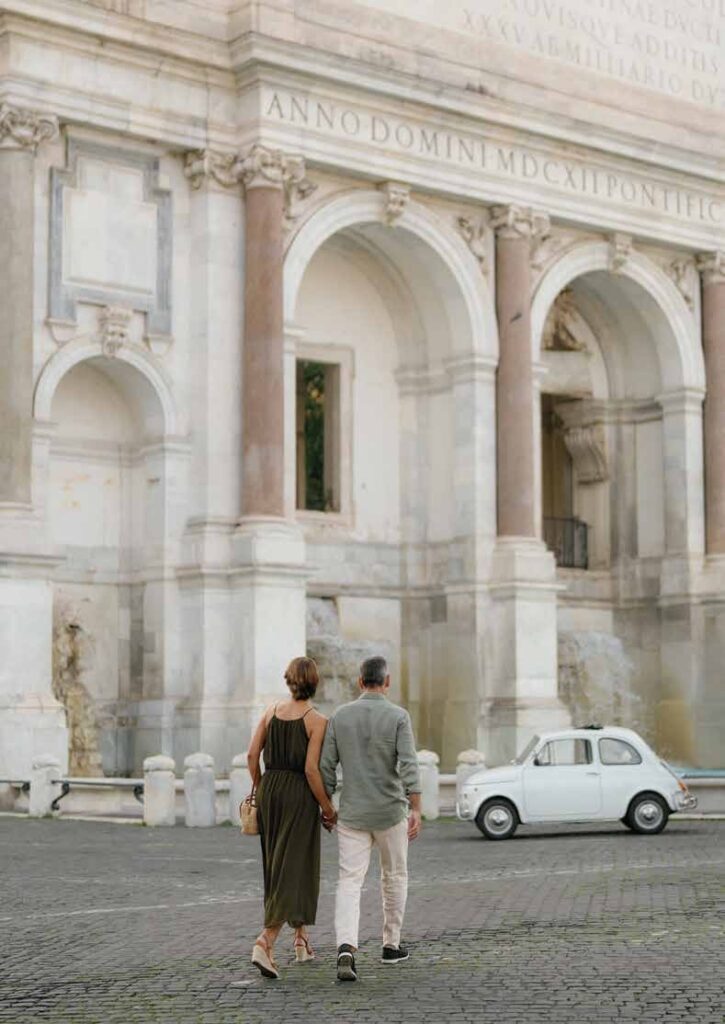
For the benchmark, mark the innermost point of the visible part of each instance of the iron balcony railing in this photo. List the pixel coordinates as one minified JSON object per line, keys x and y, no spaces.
{"x":568,"y":539}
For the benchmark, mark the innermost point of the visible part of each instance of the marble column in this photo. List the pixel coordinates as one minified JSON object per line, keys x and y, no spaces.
{"x":522,"y":693}
{"x":21,"y":132}
{"x":712,"y":269}
{"x":32,"y":722}
{"x":269,"y":576}
{"x":270,"y":179}
{"x":515,"y":228}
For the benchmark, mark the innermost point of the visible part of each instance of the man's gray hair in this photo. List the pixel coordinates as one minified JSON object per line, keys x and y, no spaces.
{"x":373,"y":671}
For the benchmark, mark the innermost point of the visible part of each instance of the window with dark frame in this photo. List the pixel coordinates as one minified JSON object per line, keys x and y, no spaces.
{"x":318,"y":436}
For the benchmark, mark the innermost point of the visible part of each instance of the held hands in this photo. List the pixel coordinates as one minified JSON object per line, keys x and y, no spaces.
{"x":329,"y":818}
{"x":414,"y":825}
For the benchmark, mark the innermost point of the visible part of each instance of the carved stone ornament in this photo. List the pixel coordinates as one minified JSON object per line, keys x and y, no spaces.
{"x":519,"y":222}
{"x":587,"y":447}
{"x":397,"y":197}
{"x":559,"y":327}
{"x":620,"y":250}
{"x":544,"y":249}
{"x":264,"y":167}
{"x":25,"y":129}
{"x":208,"y":164}
{"x":114,"y":324}
{"x":475,"y":232}
{"x":680,"y":272}
{"x":712,"y":267}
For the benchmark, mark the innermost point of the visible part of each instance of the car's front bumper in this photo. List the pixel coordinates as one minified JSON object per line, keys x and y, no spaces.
{"x":464,"y":806}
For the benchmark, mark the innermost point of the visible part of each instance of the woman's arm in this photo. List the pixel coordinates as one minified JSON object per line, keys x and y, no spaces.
{"x":312,"y":767}
{"x":255,"y":750}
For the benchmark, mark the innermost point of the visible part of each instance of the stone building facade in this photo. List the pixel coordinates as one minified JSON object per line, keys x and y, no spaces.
{"x":482,"y":246}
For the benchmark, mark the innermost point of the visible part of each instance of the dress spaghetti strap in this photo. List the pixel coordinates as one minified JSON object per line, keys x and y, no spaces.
{"x":303,"y":717}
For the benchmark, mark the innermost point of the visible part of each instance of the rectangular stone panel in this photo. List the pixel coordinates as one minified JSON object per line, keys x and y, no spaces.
{"x":110,"y":234}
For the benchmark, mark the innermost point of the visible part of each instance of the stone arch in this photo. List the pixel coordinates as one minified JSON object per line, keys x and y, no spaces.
{"x":679,"y":351}
{"x":367,"y":206}
{"x":82,"y":350}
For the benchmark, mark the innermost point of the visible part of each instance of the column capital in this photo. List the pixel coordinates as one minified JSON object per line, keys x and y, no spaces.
{"x":209,"y":165}
{"x":262,"y":167}
{"x":519,"y":222}
{"x":712,"y":266}
{"x":23,"y":128}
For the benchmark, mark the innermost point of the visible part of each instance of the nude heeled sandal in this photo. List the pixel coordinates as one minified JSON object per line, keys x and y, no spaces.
{"x":303,"y":950}
{"x":262,"y":959}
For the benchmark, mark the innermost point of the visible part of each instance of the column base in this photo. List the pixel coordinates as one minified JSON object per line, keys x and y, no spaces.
{"x":269,"y":590}
{"x":524,"y":690}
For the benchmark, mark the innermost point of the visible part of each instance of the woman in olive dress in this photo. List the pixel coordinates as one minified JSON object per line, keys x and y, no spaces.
{"x":291,"y":805}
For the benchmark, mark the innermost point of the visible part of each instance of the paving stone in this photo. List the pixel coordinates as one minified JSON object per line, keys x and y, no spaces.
{"x":109,"y":924}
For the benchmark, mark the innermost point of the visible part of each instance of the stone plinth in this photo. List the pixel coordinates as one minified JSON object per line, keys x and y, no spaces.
{"x":429,"y":796}
{"x":199,"y":799}
{"x":159,"y":791}
{"x":43,"y":785}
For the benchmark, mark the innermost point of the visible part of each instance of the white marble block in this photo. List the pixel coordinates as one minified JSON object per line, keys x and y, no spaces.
{"x":159,"y":775}
{"x":45,"y":770}
{"x":199,"y":799}
{"x":468,"y":762}
{"x":429,"y":798}
{"x":240,"y":786}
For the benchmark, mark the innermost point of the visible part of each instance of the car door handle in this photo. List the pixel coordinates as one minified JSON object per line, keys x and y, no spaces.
{"x":592,"y":773}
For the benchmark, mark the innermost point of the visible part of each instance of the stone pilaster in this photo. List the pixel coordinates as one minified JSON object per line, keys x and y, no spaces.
{"x":21,"y":132}
{"x":712,"y":270}
{"x":32,"y":722}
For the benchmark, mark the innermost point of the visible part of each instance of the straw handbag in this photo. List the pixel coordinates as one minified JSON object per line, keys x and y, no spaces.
{"x":248,"y":815}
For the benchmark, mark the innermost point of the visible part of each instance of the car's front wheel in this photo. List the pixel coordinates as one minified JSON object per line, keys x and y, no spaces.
{"x":497,"y":819}
{"x":648,"y":814}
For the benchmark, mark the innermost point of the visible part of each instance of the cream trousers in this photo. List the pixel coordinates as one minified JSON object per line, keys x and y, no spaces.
{"x":355,"y":848}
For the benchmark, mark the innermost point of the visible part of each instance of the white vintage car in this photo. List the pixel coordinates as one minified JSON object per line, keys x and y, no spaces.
{"x":588,"y":774}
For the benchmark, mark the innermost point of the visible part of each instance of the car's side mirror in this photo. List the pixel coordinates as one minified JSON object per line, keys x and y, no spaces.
{"x":537,"y":762}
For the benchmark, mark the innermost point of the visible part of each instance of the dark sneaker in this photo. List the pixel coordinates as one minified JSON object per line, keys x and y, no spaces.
{"x":394,"y":954}
{"x":346,"y":963}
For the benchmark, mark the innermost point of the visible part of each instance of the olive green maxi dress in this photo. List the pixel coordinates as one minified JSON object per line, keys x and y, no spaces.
{"x":289,"y":827}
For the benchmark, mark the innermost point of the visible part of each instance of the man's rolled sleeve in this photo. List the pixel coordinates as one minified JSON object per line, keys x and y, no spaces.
{"x":329,"y":759}
{"x":407,"y":756}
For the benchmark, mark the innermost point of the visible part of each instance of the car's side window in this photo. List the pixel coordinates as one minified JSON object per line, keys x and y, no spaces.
{"x":613,"y":751}
{"x":565,"y":752}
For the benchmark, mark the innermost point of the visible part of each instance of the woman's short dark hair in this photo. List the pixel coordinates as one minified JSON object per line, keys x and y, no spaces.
{"x":302,"y":678}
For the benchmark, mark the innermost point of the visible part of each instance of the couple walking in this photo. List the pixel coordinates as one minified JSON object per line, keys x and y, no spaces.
{"x":372,"y":739}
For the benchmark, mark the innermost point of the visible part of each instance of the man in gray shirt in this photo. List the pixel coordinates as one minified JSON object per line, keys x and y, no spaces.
{"x":373,"y":741}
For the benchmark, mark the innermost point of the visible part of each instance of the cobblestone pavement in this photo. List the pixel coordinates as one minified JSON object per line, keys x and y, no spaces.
{"x":119,"y":924}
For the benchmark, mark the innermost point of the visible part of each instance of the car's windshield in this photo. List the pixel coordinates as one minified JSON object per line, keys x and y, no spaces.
{"x":526,"y":751}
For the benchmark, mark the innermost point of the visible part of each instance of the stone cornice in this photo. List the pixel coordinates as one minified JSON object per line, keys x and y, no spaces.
{"x":23,"y":128}
{"x":515,"y":221}
{"x":712,"y":267}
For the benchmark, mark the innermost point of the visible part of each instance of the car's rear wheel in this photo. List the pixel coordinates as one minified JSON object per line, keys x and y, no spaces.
{"x":648,"y":814}
{"x":497,"y":819}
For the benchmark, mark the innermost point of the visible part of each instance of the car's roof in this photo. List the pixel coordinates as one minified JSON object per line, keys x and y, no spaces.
{"x":615,"y":731}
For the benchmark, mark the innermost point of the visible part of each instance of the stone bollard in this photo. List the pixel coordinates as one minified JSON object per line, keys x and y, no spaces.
{"x":429,"y":798}
{"x":469,"y":761}
{"x":199,"y":796}
{"x":45,"y":769}
{"x":159,"y":792}
{"x":240,"y":786}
